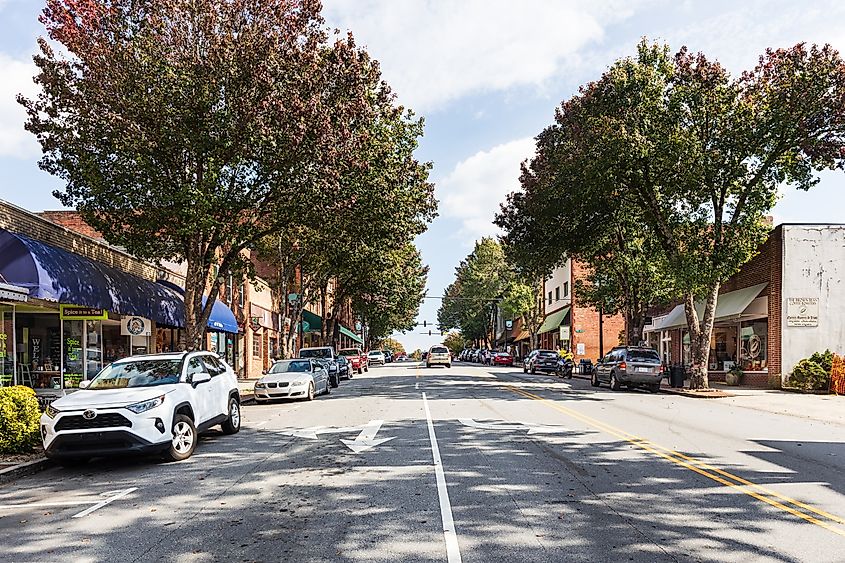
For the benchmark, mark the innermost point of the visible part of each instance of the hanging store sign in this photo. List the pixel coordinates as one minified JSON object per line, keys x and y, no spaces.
{"x":77,"y":313}
{"x":564,"y":333}
{"x":255,"y":323}
{"x":135,"y":326}
{"x":802,"y":311}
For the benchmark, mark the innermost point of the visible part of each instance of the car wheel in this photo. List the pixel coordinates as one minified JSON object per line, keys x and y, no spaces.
{"x":524,"y":369}
{"x":310,"y":394}
{"x":184,"y":440}
{"x":594,"y":379}
{"x":232,"y":424}
{"x":654,"y":387}
{"x":366,"y":369}
{"x":360,"y":371}
{"x":427,"y":365}
{"x":335,"y":381}
{"x":328,"y":390}
{"x":448,"y":366}
{"x":614,"y":383}
{"x":533,"y":370}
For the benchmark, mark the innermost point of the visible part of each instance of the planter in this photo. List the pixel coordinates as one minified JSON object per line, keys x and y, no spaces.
{"x":732,"y":378}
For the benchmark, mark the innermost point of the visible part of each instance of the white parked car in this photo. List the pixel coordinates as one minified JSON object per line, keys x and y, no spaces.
{"x":293,"y":379}
{"x":376,"y":357}
{"x":438,"y":355}
{"x":144,"y":404}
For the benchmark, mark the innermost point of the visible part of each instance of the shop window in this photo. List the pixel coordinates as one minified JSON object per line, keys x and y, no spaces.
{"x":256,"y":345}
{"x":754,"y":345}
{"x":74,"y":358}
{"x":723,"y":348}
{"x":38,"y":346}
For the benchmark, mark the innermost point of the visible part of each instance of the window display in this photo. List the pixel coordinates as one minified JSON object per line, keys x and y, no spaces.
{"x":754,"y":345}
{"x":723,"y":348}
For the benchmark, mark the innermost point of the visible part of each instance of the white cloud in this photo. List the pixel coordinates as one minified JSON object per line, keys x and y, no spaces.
{"x":17,"y":79}
{"x":473,"y":190}
{"x":433,"y":52}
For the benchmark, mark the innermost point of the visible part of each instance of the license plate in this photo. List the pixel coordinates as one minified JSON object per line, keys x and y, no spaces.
{"x":643,"y":370}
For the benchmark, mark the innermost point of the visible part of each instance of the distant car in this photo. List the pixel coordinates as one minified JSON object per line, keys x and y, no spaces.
{"x":357,"y":358}
{"x":143,"y":404}
{"x":438,"y":356}
{"x":388,"y":356}
{"x":344,"y":367}
{"x":327,"y":357}
{"x":541,"y":360}
{"x":502,"y":359}
{"x":292,"y":379}
{"x":376,"y":357}
{"x":629,"y":366}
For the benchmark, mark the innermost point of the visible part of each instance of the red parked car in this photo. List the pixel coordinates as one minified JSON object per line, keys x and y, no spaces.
{"x":502,"y":359}
{"x":357,"y":358}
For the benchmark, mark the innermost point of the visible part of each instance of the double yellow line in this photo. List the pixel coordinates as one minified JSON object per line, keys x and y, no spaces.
{"x":795,"y":507}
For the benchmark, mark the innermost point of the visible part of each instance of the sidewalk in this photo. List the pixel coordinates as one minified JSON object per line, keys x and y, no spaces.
{"x":823,"y":408}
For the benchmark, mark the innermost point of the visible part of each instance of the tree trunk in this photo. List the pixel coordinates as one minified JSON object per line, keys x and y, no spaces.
{"x":700,"y":333}
{"x":634,"y":324}
{"x":195,"y":320}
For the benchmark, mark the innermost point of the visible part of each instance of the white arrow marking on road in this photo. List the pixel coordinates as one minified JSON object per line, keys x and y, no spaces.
{"x":367,"y":438}
{"x":532,"y":428}
{"x":314,"y":432}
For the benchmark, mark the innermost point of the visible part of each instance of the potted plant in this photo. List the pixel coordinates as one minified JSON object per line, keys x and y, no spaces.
{"x":734,"y":376}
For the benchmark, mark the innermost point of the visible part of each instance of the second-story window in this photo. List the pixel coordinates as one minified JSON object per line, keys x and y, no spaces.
{"x":550,"y":298}
{"x":229,"y":290}
{"x":242,"y":295}
{"x":557,"y":293}
{"x":565,"y":289}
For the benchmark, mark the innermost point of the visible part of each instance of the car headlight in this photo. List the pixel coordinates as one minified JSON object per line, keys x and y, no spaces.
{"x":144,"y":406}
{"x":260,"y":386}
{"x":298,"y":383}
{"x":51,"y":411}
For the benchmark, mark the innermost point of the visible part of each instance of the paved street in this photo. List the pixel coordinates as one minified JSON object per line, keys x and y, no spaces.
{"x":535,"y":469}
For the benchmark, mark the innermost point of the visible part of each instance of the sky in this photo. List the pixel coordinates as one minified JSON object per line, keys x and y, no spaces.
{"x":486,"y":75}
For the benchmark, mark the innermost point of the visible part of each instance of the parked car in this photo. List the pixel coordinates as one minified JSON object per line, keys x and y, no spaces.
{"x":292,"y":379}
{"x":344,"y":367}
{"x":326,"y":356}
{"x":144,"y":404}
{"x":376,"y":357}
{"x":357,"y":358}
{"x":541,"y":360}
{"x":502,"y":359}
{"x":438,"y":356}
{"x":388,"y":356}
{"x":629,"y":366}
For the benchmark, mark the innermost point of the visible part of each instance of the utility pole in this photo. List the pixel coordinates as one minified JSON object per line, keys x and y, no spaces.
{"x":601,"y":332}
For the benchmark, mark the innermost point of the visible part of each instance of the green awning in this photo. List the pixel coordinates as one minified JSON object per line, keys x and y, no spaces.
{"x":345,"y":331}
{"x":554,"y":320}
{"x":314,"y":321}
{"x":730,"y":305}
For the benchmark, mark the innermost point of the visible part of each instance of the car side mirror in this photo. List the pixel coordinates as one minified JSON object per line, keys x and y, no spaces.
{"x":264,"y":372}
{"x":84,"y":384}
{"x":201,"y":377}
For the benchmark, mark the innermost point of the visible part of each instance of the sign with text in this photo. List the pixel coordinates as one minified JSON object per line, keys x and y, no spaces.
{"x":79,"y":313}
{"x":564,"y":332}
{"x":802,"y":311}
{"x":581,"y":349}
{"x":135,"y":326}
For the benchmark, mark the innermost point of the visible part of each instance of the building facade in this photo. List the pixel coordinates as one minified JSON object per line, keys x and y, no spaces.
{"x":785,"y":304}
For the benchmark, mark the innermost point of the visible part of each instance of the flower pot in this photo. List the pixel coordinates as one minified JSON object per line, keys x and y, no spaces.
{"x":732,"y":378}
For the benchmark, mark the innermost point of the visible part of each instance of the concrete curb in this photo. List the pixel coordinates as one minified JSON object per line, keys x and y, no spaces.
{"x":23,"y":469}
{"x":712,"y":394}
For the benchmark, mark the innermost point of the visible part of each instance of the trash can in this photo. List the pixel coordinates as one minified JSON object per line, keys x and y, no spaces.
{"x":677,"y":376}
{"x":585,"y":367}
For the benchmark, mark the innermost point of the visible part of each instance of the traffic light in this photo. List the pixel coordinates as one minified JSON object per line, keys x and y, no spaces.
{"x":429,"y":333}
{"x":424,"y":325}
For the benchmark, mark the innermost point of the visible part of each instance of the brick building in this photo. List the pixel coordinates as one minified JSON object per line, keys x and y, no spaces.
{"x":784,"y":304}
{"x":569,"y":324}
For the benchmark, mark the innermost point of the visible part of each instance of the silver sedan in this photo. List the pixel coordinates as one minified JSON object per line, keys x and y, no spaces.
{"x":292,"y":379}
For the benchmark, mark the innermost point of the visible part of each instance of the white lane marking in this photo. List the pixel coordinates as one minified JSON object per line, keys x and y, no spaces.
{"x":104,"y":502}
{"x":453,"y":551}
{"x":532,"y":428}
{"x":367,"y":438}
{"x":48,"y":504}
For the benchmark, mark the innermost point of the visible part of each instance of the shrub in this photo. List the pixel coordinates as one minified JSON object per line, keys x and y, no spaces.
{"x":19,"y":414}
{"x":824,"y":359}
{"x":810,"y":376}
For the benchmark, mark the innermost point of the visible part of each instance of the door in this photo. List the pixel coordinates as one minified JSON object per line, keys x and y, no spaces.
{"x":219,"y":384}
{"x":320,"y":377}
{"x":604,"y":367}
{"x":203,"y":403}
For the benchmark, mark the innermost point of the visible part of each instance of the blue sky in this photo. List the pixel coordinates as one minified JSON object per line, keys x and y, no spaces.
{"x":486,"y":75}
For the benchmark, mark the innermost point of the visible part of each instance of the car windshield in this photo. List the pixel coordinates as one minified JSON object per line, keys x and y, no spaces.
{"x":547,"y":354}
{"x":316,"y":353}
{"x":439,"y":350}
{"x":140,"y":373}
{"x":350,"y":352}
{"x":290,"y":366}
{"x":342,"y":360}
{"x":646,"y":356}
{"x":374,"y":354}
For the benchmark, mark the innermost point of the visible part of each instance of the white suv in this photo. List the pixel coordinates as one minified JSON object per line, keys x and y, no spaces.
{"x":438,"y":355}
{"x":144,"y":404}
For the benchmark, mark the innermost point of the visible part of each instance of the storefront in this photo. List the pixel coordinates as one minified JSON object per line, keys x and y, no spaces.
{"x":77,"y":315}
{"x":740,"y":335}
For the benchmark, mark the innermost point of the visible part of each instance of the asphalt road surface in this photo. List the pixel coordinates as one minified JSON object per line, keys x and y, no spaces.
{"x":465,"y":464}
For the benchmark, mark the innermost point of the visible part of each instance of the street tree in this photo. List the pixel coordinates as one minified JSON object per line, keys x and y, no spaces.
{"x":524,"y":300}
{"x":188,"y":131}
{"x":454,"y":342}
{"x":389,"y":344}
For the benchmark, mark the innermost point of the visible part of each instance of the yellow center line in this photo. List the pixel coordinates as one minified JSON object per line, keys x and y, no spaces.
{"x":704,"y":469}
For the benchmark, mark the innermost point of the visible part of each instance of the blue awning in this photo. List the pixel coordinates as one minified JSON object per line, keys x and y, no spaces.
{"x":222,"y":318}
{"x":55,"y":274}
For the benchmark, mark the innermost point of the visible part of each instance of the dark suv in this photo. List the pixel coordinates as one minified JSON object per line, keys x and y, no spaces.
{"x":541,"y":360}
{"x":629,"y":366}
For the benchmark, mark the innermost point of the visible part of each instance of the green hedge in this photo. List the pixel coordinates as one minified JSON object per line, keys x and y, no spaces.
{"x":813,"y":373}
{"x":19,"y":414}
